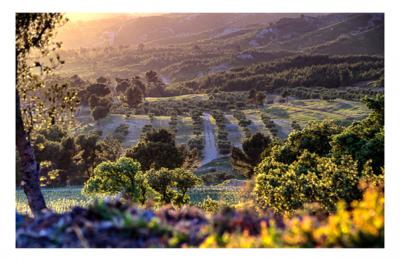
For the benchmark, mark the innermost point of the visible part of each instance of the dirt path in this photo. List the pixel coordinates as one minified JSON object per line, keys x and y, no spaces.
{"x":210,"y":148}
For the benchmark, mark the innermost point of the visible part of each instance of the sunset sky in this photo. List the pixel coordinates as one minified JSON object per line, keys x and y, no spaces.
{"x":93,"y":16}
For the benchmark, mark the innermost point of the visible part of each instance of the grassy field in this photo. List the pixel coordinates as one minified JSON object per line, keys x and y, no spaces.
{"x":63,"y":199}
{"x":304,"y":111}
{"x":57,"y":199}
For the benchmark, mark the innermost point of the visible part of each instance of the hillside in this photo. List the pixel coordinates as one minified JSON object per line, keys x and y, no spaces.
{"x":199,"y":130}
{"x":293,"y":71}
{"x":161,"y":28}
{"x":188,"y":46}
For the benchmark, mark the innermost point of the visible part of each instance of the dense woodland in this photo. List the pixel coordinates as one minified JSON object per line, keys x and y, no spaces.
{"x":141,"y":149}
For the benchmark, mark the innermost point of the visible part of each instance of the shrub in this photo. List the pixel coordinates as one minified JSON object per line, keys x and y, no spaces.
{"x":315,"y":137}
{"x":364,"y":140}
{"x":360,"y":224}
{"x":162,"y":181}
{"x":119,"y":224}
{"x":285,"y":188}
{"x":172,"y":185}
{"x":183,"y":181}
{"x":209,"y":205}
{"x":122,"y":176}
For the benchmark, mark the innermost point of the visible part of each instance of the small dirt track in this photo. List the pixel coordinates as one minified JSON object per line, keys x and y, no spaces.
{"x":210,"y":148}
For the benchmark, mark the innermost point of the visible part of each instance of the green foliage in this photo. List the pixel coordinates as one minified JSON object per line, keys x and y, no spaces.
{"x":157,"y":149}
{"x":72,"y":157}
{"x":54,"y":146}
{"x":315,"y":137}
{"x":172,"y":185}
{"x":183,"y":181}
{"x":121,"y":176}
{"x":54,"y":133}
{"x":162,"y":181}
{"x":322,"y":163}
{"x":310,"y":178}
{"x":209,"y":205}
{"x":44,"y":99}
{"x":364,"y":140}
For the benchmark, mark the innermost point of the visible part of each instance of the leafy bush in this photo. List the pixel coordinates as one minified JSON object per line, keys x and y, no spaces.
{"x":122,"y":176}
{"x":310,"y":178}
{"x":172,"y":185}
{"x":209,"y":205}
{"x":315,"y":137}
{"x":162,"y":182}
{"x":364,"y":140}
{"x":183,"y":181}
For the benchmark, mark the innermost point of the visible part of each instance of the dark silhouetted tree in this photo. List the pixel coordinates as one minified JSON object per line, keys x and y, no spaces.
{"x":157,"y":149}
{"x":134,"y":97}
{"x":245,"y":160}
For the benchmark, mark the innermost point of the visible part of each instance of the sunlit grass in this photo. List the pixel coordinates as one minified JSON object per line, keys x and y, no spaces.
{"x":307,"y":110}
{"x":57,"y":199}
{"x":64,"y":199}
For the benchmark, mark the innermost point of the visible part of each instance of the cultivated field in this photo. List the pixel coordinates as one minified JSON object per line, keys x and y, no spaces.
{"x":282,"y":114}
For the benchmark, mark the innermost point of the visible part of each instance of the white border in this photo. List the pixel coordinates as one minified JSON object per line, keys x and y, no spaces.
{"x":392,"y":128}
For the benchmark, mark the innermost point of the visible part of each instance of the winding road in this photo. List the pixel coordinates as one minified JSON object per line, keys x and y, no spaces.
{"x":210,"y":148}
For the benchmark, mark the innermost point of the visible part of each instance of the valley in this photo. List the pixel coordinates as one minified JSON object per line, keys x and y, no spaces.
{"x":200,"y":130}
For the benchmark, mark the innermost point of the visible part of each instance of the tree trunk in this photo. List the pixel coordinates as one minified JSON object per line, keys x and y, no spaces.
{"x":29,"y":166}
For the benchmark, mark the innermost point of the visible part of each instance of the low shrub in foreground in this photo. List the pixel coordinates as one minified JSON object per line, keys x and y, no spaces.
{"x":118,"y":224}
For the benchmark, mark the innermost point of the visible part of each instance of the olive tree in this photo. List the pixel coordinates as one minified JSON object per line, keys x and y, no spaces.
{"x":184,"y":180}
{"x":162,"y":181}
{"x":122,"y":176}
